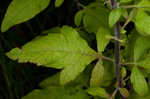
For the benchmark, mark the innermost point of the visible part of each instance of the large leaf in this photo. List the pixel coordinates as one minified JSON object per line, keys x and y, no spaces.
{"x":97,"y":74}
{"x":22,"y":10}
{"x":139,"y":83}
{"x":65,"y":50}
{"x":141,"y":47}
{"x":54,"y":92}
{"x":102,"y":38}
{"x":142,"y":22}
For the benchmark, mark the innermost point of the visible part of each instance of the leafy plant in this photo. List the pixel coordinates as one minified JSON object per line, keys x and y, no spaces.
{"x":104,"y":72}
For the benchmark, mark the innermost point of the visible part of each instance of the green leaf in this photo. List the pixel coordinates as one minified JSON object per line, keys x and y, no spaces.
{"x":58,"y":3}
{"x":14,"y":54}
{"x":139,"y":83}
{"x":145,"y":5}
{"x":136,"y":96}
{"x":142,"y":22}
{"x":22,"y":10}
{"x":109,"y":73}
{"x":52,"y":30}
{"x":54,"y":92}
{"x":141,"y":47}
{"x":65,"y":50}
{"x":78,"y":17}
{"x":97,"y":91}
{"x":125,"y":1}
{"x":101,"y":37}
{"x":114,"y":16}
{"x":97,"y":74}
{"x":94,"y":18}
{"x":124,"y":92}
{"x":50,"y":81}
{"x":123,"y":72}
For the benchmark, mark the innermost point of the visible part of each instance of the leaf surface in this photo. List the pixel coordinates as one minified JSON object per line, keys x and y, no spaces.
{"x":94,"y":18}
{"x":22,"y":10}
{"x":114,"y":16}
{"x":141,"y":47}
{"x":102,"y":38}
{"x":58,"y":3}
{"x":54,"y":92}
{"x":139,"y":83}
{"x":97,"y":91}
{"x":65,"y":50}
{"x":97,"y":74}
{"x":142,"y":22}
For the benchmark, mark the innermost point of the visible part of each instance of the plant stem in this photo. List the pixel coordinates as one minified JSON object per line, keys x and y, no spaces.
{"x":117,"y":46}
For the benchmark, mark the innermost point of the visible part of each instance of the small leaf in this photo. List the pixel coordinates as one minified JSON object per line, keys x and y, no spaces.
{"x":124,"y":92}
{"x":97,"y":74}
{"x":97,"y":91}
{"x":139,"y":83}
{"x":123,"y":72}
{"x":65,"y":50}
{"x":101,"y":37}
{"x":58,"y":3}
{"x":114,"y":16}
{"x":22,"y":10}
{"x":78,"y":17}
{"x":142,"y":22}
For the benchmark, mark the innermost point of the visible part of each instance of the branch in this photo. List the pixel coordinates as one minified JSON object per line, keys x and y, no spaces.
{"x":117,"y":46}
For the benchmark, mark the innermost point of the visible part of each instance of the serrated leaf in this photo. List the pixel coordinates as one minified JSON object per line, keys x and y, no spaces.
{"x":139,"y":83}
{"x":14,"y":54}
{"x":101,"y":37}
{"x":66,"y":50}
{"x":22,"y":10}
{"x":141,"y":47}
{"x":97,"y":91}
{"x":114,"y":16}
{"x":54,"y":92}
{"x":124,"y":92}
{"x":78,"y":17}
{"x":58,"y":3}
{"x":142,"y":22}
{"x":94,"y":18}
{"x":97,"y":74}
